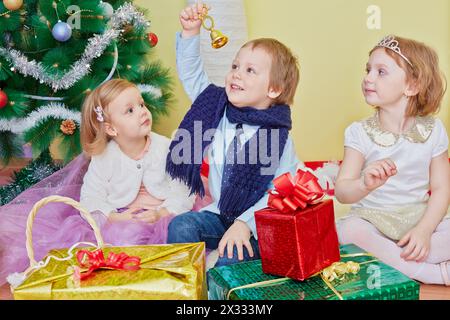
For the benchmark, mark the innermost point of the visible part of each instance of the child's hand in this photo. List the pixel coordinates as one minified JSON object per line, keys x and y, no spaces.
{"x":126,"y":215}
{"x":238,"y":234}
{"x":148,"y":216}
{"x":151,"y":216}
{"x":377,"y":173}
{"x":417,"y":244}
{"x":190,"y":19}
{"x":162,"y":212}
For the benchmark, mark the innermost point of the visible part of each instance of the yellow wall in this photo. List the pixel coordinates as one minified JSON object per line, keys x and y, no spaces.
{"x":332,"y":41}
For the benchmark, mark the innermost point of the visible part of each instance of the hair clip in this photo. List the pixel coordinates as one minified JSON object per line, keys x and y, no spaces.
{"x":390,"y":43}
{"x":99,"y":111}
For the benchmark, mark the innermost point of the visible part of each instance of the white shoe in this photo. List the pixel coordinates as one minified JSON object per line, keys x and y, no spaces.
{"x":444,"y":272}
{"x":212,"y":259}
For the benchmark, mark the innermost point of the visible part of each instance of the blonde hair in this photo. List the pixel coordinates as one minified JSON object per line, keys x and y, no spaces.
{"x":93,"y":135}
{"x":425,"y":73}
{"x":284,"y":73}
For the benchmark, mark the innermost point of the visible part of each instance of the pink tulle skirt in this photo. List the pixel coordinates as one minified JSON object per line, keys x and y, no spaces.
{"x":58,"y":225}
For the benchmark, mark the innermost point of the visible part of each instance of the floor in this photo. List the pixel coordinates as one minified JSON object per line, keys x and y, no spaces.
{"x":427,"y":292}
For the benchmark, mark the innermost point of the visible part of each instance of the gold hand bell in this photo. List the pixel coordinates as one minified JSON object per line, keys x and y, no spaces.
{"x":218,"y":40}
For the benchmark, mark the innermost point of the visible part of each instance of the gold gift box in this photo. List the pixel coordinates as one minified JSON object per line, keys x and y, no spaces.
{"x":167,"y":272}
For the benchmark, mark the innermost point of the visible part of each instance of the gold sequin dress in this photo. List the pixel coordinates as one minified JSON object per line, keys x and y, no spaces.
{"x":400,"y":203}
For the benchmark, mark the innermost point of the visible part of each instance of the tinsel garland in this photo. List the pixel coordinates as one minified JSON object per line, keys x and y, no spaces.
{"x":35,"y":171}
{"x":154,"y":91}
{"x":126,"y":13}
{"x":53,"y":109}
{"x":58,"y":111}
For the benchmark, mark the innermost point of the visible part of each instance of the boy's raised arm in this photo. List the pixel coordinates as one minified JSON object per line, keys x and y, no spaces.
{"x":189,"y":64}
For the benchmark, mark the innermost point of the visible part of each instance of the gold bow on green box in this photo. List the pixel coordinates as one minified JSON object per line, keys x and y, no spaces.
{"x":357,"y":276}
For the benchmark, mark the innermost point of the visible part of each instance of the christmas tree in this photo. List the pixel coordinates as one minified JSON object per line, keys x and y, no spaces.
{"x":26,"y":177}
{"x":54,"y":52}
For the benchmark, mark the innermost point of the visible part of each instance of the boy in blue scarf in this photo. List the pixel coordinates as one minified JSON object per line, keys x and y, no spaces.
{"x":243,"y":130}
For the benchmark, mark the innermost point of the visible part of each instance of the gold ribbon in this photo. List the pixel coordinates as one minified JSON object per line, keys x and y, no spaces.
{"x":260,"y":284}
{"x":336,"y":271}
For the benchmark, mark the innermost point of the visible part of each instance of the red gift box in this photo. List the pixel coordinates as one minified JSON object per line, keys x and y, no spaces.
{"x":297,"y":234}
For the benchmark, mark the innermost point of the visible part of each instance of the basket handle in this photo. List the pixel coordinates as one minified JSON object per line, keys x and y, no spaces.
{"x":84,"y":213}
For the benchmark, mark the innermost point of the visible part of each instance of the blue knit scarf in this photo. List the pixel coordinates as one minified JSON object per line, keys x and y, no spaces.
{"x":244,"y":185}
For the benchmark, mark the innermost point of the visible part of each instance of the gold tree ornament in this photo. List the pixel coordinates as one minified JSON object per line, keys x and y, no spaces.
{"x":13,"y":4}
{"x":68,"y":127}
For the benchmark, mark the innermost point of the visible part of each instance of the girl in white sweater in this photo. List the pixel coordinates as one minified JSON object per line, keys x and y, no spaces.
{"x":126,"y":178}
{"x":120,"y":179}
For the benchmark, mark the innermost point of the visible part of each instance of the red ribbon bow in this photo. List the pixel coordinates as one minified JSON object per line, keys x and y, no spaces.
{"x":96,"y":260}
{"x":291,"y":194}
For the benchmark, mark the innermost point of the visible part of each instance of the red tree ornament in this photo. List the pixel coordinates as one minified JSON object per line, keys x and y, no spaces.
{"x":152,"y":38}
{"x":3,"y":99}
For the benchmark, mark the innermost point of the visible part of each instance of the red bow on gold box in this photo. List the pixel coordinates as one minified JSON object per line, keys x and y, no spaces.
{"x":96,"y":260}
{"x":297,"y":234}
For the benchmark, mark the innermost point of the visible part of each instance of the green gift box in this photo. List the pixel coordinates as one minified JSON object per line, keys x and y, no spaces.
{"x":374,"y":281}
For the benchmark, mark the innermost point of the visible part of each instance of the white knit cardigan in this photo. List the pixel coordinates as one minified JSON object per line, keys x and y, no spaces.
{"x":113,"y":179}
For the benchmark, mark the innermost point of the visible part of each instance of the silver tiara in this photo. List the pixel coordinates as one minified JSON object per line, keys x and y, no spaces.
{"x":389,"y":42}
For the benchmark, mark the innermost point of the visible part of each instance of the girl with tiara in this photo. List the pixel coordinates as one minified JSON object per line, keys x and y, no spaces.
{"x":395,"y":170}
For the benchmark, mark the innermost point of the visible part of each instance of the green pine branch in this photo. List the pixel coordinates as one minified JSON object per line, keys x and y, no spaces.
{"x":77,"y":93}
{"x":8,"y":21}
{"x":156,"y":75}
{"x":5,"y":71}
{"x":28,"y":176}
{"x":10,"y":147}
{"x":70,"y":146}
{"x":42,"y":135}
